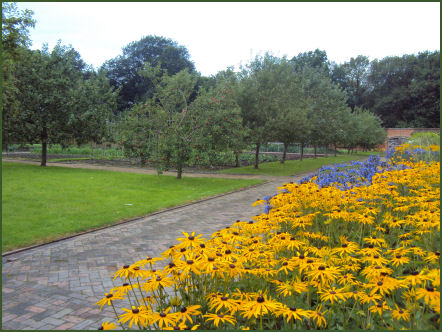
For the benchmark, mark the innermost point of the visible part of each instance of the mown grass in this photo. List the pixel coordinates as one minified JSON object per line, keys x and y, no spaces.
{"x":294,"y":167}
{"x":40,"y":204}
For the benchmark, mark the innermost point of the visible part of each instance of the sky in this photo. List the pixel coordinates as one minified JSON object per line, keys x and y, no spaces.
{"x":218,"y":35}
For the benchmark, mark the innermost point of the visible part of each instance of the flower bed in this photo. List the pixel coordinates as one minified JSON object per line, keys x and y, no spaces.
{"x":321,"y":257}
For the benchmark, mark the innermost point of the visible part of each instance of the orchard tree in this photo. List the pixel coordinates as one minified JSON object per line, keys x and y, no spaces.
{"x":256,"y":94}
{"x":15,"y":44}
{"x":56,"y":103}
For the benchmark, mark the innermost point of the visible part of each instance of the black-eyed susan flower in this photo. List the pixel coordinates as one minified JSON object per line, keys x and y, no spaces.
{"x":164,"y":318}
{"x":290,"y":313}
{"x":379,"y":308}
{"x":333,"y":294}
{"x":220,"y":318}
{"x":186,"y":313}
{"x":317,"y":316}
{"x":260,"y":306}
{"x":429,"y":294}
{"x":223,"y":301}
{"x":107,"y":326}
{"x":400,"y":314}
{"x":189,"y":241}
{"x":108,"y":298}
{"x":138,"y":316}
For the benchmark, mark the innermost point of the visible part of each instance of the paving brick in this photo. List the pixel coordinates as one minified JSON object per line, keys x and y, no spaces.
{"x":56,"y":285}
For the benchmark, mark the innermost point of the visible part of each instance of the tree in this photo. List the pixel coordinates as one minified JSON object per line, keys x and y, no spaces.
{"x":56,"y":103}
{"x":123,"y":71}
{"x":316,"y":59}
{"x":352,"y":77}
{"x":15,"y":42}
{"x":291,"y":122}
{"x":169,"y":128}
{"x":405,"y":91}
{"x":256,"y":95}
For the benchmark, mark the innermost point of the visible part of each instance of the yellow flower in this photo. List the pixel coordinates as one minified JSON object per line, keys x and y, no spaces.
{"x":107,"y":326}
{"x":220,"y":318}
{"x":108,"y":298}
{"x":164,"y":318}
{"x":318,"y":316}
{"x":261,"y":306}
{"x":333,"y":295}
{"x":135,"y":316}
{"x":429,"y":294}
{"x":189,"y":241}
{"x":292,"y":312}
{"x":185,"y":313}
{"x":401,"y":314}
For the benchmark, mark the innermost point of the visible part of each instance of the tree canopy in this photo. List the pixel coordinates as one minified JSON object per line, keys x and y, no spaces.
{"x":123,"y":71}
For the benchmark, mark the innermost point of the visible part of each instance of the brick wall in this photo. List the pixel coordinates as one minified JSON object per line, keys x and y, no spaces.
{"x":401,"y":134}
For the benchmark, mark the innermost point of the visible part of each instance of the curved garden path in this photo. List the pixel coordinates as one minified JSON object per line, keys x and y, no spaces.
{"x":55,"y":286}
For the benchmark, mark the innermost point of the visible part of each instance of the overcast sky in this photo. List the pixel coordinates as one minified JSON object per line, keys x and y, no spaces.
{"x":218,"y":35}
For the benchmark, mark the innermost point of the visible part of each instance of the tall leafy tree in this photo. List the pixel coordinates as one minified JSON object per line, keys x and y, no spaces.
{"x":56,"y":103}
{"x":15,"y":44}
{"x":124,"y":70}
{"x":256,"y":95}
{"x":405,"y":91}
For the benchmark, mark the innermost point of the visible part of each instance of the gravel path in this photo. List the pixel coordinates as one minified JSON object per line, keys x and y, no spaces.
{"x":55,"y":286}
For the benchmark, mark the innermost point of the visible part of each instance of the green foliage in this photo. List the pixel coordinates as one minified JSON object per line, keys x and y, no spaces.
{"x":168,"y":129}
{"x":424,"y":138}
{"x":41,"y":204}
{"x":66,"y":102}
{"x":123,"y":71}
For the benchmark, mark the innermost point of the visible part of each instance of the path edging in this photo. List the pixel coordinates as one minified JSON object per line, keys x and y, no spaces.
{"x":118,"y":223}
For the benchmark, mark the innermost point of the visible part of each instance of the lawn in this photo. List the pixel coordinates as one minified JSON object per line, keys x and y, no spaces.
{"x":293,"y":167}
{"x":40,"y":204}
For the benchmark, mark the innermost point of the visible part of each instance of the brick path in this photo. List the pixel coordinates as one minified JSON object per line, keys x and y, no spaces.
{"x":56,"y":285}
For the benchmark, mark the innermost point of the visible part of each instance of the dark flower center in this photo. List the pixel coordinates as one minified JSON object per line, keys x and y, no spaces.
{"x":125,"y":284}
{"x":190,"y":262}
{"x":176,"y":328}
{"x":371,"y":246}
{"x":228,"y":252}
{"x":380,"y":283}
{"x":401,"y":311}
{"x":183,"y":309}
{"x":333,"y":292}
{"x":260,"y":299}
{"x":232,"y":266}
{"x":285,"y":264}
{"x":310,"y":261}
{"x":414,"y":273}
{"x":292,"y":239}
{"x":136,"y":268}
{"x":182,"y":249}
{"x":344,"y":245}
{"x":171,"y":265}
{"x":101,"y":327}
{"x":210,"y":259}
{"x":215,"y":268}
{"x":379,"y":305}
{"x":220,"y":315}
{"x":377,"y":267}
{"x":223,"y":298}
{"x":437,"y":253}
{"x":191,"y":238}
{"x":430,"y":289}
{"x":301,"y":257}
{"x":375,"y":256}
{"x":202,"y":245}
{"x":398,"y":256}
{"x":109,"y":296}
{"x":126,"y":266}
{"x":292,"y":309}
{"x":321,"y":268}
{"x":158,"y":279}
{"x":135,"y":311}
{"x":162,"y":314}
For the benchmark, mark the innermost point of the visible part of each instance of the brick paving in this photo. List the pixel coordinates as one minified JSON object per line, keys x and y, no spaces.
{"x":55,"y":286}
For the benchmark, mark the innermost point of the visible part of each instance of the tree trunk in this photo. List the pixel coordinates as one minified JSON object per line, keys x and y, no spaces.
{"x":284,"y":153}
{"x":236,"y":159}
{"x":43,"y":153}
{"x":44,"y":147}
{"x":179,"y":168}
{"x":302,"y":150}
{"x":257,"y":155}
{"x":336,"y":149}
{"x":315,"y":148}
{"x":326,"y":152}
